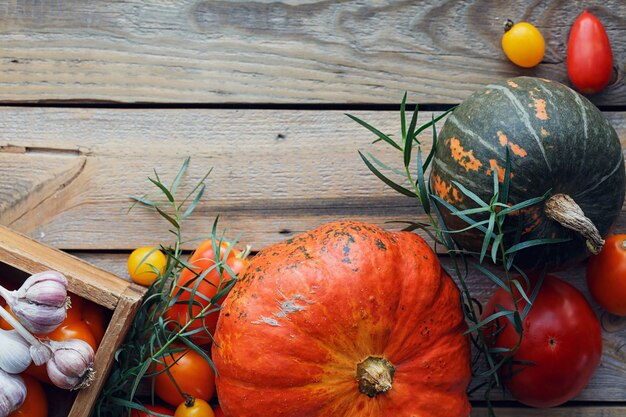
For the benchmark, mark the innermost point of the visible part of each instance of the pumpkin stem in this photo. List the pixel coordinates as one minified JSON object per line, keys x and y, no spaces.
{"x":374,"y":376}
{"x":563,"y":209}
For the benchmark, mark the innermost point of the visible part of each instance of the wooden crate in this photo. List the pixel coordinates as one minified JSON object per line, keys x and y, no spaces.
{"x":85,"y":280}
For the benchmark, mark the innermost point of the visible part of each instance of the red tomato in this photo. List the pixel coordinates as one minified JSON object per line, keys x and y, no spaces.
{"x":589,"y":55}
{"x":192,"y":373}
{"x":562,"y":338}
{"x":155,"y":408}
{"x":194,"y":408}
{"x":217,"y":410}
{"x":36,"y":403}
{"x":606,"y":275}
{"x":203,"y":259}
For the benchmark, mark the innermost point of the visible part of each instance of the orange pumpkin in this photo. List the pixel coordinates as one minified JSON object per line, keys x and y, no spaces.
{"x":345,"y":320}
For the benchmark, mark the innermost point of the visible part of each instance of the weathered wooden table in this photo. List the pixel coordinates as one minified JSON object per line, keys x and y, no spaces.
{"x":96,"y":95}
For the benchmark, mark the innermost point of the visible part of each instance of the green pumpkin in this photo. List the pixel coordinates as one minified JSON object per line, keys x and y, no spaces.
{"x":558,"y":143}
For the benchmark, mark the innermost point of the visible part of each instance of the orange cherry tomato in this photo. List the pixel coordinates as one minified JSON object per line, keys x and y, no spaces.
{"x":606,"y":275}
{"x":36,"y":403}
{"x":523,"y":44}
{"x":154,"y":408}
{"x":194,"y":408}
{"x":146,"y":264}
{"x":203,"y":259}
{"x":193,"y":375}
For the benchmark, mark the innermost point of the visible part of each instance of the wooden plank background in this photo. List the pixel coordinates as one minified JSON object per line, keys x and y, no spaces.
{"x":306,"y":51}
{"x":95,"y":96}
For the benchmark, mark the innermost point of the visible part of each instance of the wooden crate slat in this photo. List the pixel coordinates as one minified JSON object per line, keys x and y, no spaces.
{"x":278,"y":52}
{"x":127,"y":307}
{"x":85,"y":280}
{"x":277,"y":172}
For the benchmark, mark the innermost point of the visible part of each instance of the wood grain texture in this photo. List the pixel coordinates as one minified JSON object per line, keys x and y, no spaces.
{"x":121,"y":320}
{"x":276,"y":173}
{"x":565,"y":411}
{"x":607,"y":383}
{"x":289,"y":51}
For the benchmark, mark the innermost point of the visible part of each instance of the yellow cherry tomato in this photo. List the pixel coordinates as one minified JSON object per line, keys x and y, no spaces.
{"x":143,"y":264}
{"x":523,"y":44}
{"x":194,"y":408}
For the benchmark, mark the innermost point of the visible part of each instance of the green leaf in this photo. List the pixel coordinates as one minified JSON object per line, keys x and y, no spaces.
{"x":456,"y":212}
{"x":403,"y":116}
{"x":433,"y":149}
{"x":410,"y":134}
{"x":470,"y":194}
{"x":494,"y":174}
{"x":433,"y":121}
{"x":421,"y":184}
{"x":387,"y":181}
{"x":164,"y":189}
{"x":488,"y":236}
{"x":182,"y":170}
{"x":168,"y":217}
{"x":523,"y":205}
{"x":385,"y":166}
{"x":194,"y":203}
{"x":475,"y":210}
{"x":489,"y":319}
{"x":533,"y":295}
{"x":145,"y":201}
{"x":521,"y":290}
{"x":375,"y":131}
{"x":534,"y":242}
{"x":492,"y":277}
{"x":494,"y":248}
{"x":507,"y":178}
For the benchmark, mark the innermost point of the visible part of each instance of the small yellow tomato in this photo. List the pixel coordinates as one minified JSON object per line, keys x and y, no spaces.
{"x":143,"y":264}
{"x":523,"y":44}
{"x":194,"y":407}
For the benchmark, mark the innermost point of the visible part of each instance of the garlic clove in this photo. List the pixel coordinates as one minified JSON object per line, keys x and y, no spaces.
{"x":45,"y":288}
{"x":15,"y":356}
{"x":38,"y":318}
{"x":12,"y":393}
{"x":71,"y":365}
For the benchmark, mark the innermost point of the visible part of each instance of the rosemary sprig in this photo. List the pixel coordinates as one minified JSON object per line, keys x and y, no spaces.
{"x":489,"y":217}
{"x":151,"y":338}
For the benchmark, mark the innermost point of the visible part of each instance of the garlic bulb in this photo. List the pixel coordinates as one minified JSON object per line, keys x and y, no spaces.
{"x":41,"y":302}
{"x":14,"y":352}
{"x":71,"y":365}
{"x":12,"y":393}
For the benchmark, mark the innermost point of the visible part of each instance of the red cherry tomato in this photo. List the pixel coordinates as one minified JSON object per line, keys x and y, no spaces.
{"x":562,"y":338}
{"x":155,"y":408}
{"x":194,"y":377}
{"x":203,"y":259}
{"x":606,"y":275}
{"x":589,"y":55}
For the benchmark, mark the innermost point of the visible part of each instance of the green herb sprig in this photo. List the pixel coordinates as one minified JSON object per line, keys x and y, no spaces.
{"x":151,"y":338}
{"x":489,"y":218}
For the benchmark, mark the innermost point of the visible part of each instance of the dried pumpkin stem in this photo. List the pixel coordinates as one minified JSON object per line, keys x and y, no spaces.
{"x":563,"y":209}
{"x":375,"y":376}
